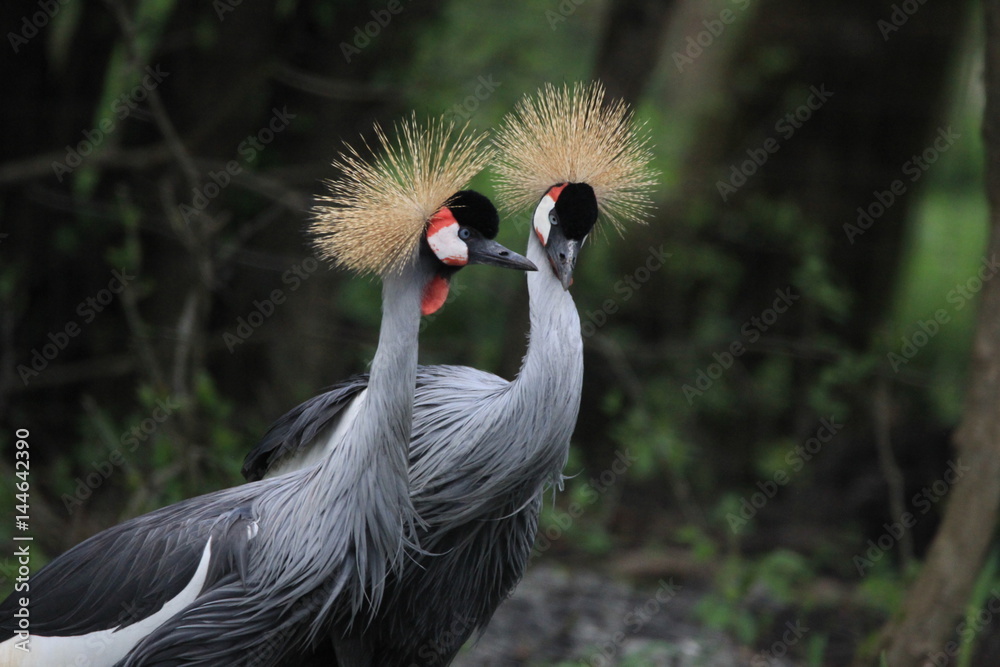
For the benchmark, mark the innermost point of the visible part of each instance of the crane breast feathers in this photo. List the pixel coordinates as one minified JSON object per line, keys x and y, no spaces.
{"x":375,"y":213}
{"x":570,"y":135}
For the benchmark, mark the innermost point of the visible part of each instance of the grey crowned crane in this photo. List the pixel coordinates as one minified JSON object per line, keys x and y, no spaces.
{"x":483,"y":449}
{"x":254,"y":574}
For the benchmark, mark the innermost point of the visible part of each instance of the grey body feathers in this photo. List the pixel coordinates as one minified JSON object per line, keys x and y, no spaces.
{"x":481,"y":454}
{"x":279,"y":578}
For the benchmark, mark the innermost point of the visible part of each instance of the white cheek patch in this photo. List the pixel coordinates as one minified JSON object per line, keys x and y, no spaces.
{"x":442,"y":237}
{"x":541,"y":220}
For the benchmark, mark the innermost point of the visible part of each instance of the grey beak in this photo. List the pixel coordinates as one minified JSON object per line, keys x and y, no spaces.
{"x":562,"y":254}
{"x":486,"y":251}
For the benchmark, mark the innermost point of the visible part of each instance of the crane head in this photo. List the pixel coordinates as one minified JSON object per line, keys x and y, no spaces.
{"x":379,"y":209}
{"x":576,"y":158}
{"x":562,"y":220}
{"x":403,"y":211}
{"x":461,"y":233}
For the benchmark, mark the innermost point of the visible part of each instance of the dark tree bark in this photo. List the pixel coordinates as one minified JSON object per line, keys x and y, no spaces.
{"x":937,"y":599}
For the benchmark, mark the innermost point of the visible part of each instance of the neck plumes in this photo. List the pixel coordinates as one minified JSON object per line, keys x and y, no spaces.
{"x":365,"y":480}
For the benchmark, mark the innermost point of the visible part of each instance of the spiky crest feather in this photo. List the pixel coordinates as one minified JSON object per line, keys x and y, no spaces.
{"x":569,"y":135}
{"x":372,"y":220}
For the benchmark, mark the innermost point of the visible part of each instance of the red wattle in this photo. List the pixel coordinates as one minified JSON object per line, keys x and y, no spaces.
{"x":435,"y":294}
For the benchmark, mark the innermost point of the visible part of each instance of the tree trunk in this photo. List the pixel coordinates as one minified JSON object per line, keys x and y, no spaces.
{"x":937,"y":598}
{"x":630,"y":46}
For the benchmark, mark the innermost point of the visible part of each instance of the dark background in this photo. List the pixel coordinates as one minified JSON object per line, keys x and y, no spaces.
{"x":807,"y":110}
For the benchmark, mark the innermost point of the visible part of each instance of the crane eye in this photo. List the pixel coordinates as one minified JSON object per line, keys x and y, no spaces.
{"x":464,"y":233}
{"x":552,"y":218}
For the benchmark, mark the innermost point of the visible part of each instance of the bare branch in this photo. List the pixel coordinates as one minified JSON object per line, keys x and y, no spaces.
{"x":163,"y":121}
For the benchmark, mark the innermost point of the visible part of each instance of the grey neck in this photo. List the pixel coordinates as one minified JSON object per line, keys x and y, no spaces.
{"x":554,"y":360}
{"x":496,"y":463}
{"x":360,"y":518}
{"x":380,"y":433}
{"x":544,"y":399}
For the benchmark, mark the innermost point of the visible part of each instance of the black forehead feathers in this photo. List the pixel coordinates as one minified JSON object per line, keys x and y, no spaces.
{"x":576,"y":208}
{"x":474,"y":210}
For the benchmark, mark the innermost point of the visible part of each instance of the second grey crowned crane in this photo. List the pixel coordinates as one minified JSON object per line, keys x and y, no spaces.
{"x":255,"y":574}
{"x":482,"y":448}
